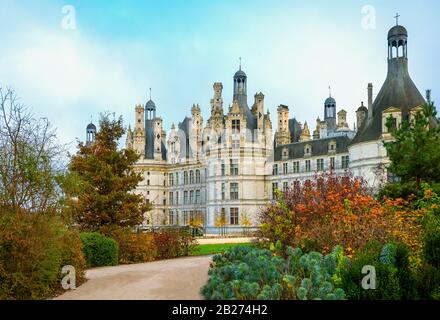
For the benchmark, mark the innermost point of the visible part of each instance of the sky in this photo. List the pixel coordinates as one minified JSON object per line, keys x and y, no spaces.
{"x":72,"y":60}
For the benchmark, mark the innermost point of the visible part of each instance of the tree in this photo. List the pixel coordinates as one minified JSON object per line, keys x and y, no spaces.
{"x":101,"y":181}
{"x":30,"y":158}
{"x":415,"y":150}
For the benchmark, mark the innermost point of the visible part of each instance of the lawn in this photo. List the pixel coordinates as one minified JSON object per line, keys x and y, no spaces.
{"x":207,"y":249}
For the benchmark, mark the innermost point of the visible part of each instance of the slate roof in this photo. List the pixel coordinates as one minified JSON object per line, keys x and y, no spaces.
{"x":398,"y":91}
{"x":319,"y":148}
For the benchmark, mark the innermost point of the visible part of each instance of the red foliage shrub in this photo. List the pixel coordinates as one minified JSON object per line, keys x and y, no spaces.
{"x":334,"y":210}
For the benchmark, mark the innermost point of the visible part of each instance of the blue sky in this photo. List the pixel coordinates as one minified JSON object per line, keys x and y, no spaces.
{"x":291,"y":50}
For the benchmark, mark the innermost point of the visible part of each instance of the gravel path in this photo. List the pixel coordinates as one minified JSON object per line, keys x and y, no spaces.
{"x":177,"y":279}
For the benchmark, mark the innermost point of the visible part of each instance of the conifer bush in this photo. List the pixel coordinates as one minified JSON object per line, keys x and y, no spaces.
{"x":247,"y":273}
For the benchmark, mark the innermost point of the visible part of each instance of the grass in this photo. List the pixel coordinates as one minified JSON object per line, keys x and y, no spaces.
{"x":207,"y":249}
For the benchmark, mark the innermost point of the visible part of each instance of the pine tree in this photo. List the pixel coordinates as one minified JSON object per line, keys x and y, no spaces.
{"x":101,"y":182}
{"x":415,"y":150}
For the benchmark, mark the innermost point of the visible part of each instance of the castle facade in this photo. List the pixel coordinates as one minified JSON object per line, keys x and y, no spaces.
{"x":224,"y":170}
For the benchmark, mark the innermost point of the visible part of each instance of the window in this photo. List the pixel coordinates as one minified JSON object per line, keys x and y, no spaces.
{"x":176,"y":199}
{"x":185,"y":218}
{"x":191,"y":177}
{"x":235,"y":126}
{"x":234,"y":191}
{"x":296,"y":167}
{"x":148,"y":182}
{"x":198,"y":196}
{"x":274,"y":190}
{"x":345,"y":162}
{"x":234,"y":167}
{"x":197,"y":176}
{"x":171,"y":218}
{"x":285,"y":168}
{"x":185,"y":177}
{"x":223,"y":191}
{"x":233,"y":217}
{"x":308,"y":166}
{"x":332,"y":163}
{"x":320,"y":164}
{"x":275,"y":169}
{"x":185,"y":197}
{"x":171,"y":179}
{"x":296,"y":184}
{"x":177,"y":178}
{"x":235,"y":143}
{"x":285,"y":186}
{"x":223,"y":169}
{"x":191,"y":197}
{"x":171,"y":198}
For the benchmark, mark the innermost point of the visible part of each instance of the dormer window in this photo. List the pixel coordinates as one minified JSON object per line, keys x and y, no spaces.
{"x":285,"y":153}
{"x":235,"y":126}
{"x":332,"y":146}
{"x":391,"y":116}
{"x":308,"y":150}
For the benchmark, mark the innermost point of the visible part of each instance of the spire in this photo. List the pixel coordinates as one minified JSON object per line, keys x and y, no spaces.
{"x":150,"y":93}
{"x":240,"y":64}
{"x":330,"y":91}
{"x":397,"y":18}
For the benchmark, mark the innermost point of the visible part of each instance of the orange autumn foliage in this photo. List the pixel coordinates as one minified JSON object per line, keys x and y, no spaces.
{"x":332,"y":210}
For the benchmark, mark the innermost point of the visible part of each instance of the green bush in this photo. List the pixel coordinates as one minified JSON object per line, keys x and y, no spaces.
{"x":394,"y":280}
{"x":33,"y":249}
{"x":405,"y":190}
{"x":99,"y":250}
{"x":248,"y":273}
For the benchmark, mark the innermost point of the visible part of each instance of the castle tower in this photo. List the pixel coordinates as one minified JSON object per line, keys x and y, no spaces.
{"x":196,"y":131}
{"x":282,"y":135}
{"x":330,"y":113}
{"x":240,"y":87}
{"x":398,"y":91}
{"x":90,"y":133}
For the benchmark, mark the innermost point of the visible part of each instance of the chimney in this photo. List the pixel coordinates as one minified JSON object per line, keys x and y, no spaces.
{"x":370,"y":100}
{"x":428,"y":95}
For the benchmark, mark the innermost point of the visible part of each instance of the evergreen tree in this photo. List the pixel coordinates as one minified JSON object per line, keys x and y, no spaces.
{"x":415,"y":150}
{"x":101,"y":182}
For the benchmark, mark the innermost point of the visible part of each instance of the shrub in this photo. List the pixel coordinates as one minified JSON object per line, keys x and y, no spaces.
{"x":135,"y":247}
{"x":407,"y":191}
{"x":336,"y":210}
{"x":99,"y":250}
{"x":248,"y":273}
{"x":394,"y":280}
{"x":173,"y":243}
{"x":33,"y":249}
